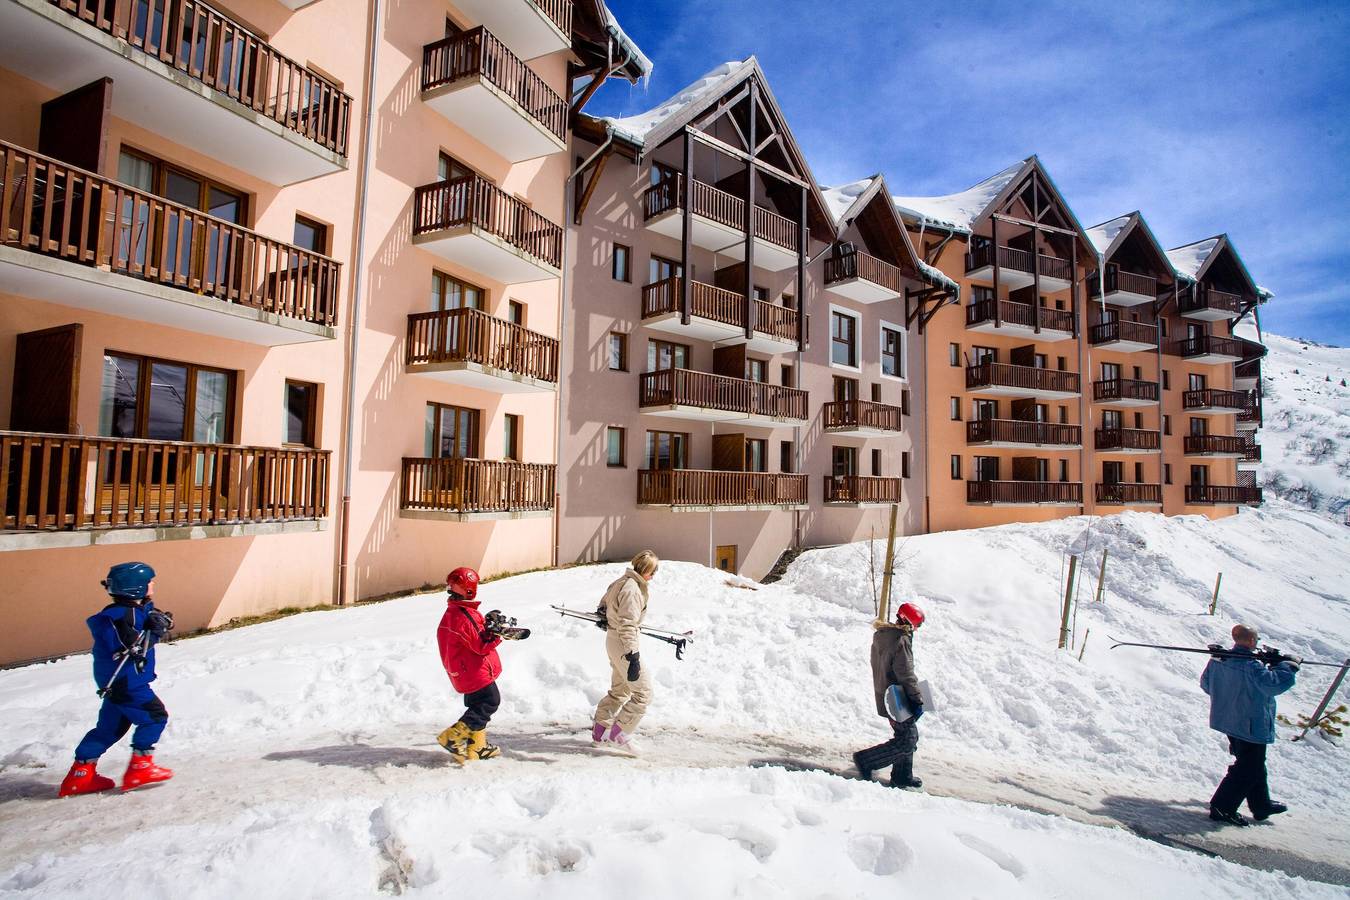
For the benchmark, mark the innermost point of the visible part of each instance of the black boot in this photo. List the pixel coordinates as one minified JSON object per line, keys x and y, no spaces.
{"x":873,"y":758}
{"x":1228,"y":818}
{"x":1274,"y":809}
{"x":902,"y":773}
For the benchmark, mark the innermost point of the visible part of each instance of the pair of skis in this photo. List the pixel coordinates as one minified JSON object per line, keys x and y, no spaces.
{"x":678,"y":639}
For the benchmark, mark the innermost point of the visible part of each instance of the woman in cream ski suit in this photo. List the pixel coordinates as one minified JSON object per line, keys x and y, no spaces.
{"x":630,"y":691}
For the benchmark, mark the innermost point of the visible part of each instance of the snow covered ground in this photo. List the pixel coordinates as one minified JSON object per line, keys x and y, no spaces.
{"x":306,"y":763}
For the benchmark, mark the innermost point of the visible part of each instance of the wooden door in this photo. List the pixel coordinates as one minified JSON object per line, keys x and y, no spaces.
{"x":729,"y":452}
{"x":726,"y":557}
{"x":46,"y":380}
{"x":74,"y":127}
{"x":730,"y":361}
{"x":1023,"y":356}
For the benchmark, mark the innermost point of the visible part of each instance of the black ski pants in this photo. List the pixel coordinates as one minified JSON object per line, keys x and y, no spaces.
{"x":1246,"y":780}
{"x":894,"y":751}
{"x":480,"y":705}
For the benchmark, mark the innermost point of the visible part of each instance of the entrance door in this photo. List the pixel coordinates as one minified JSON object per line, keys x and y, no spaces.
{"x":726,"y":558}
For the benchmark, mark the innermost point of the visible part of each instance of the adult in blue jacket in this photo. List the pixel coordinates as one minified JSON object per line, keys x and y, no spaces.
{"x":125,"y":633}
{"x":1242,"y":691}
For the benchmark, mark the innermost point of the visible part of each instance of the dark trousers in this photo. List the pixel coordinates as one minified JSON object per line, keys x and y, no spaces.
{"x":1246,"y":780}
{"x":480,"y":705}
{"x":123,"y":708}
{"x":895,"y":752}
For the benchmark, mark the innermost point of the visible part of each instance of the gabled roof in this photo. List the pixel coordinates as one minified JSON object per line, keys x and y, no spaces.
{"x":1109,"y":236}
{"x":1194,"y":260}
{"x":848,"y":201}
{"x":601,"y":26}
{"x":654,"y":127}
{"x":958,"y":212}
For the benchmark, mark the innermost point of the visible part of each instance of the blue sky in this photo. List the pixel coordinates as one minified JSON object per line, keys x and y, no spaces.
{"x":1209,"y":117}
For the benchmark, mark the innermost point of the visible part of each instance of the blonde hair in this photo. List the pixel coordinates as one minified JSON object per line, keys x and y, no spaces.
{"x":645,"y":563}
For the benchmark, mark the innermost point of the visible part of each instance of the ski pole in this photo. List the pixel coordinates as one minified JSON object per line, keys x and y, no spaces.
{"x":1217,"y":654}
{"x":141,"y":640}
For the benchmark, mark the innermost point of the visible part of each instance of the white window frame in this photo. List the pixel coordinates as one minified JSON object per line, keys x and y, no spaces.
{"x":857,"y":336}
{"x":903,"y":377}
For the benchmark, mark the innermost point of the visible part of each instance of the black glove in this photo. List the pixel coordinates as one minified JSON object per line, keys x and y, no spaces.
{"x":1216,"y":650}
{"x":494,"y":623}
{"x":1271,"y":657}
{"x":601,"y":621}
{"x":916,"y":712}
{"x":634,"y":666}
{"x":159,"y":622}
{"x":1293,"y":661}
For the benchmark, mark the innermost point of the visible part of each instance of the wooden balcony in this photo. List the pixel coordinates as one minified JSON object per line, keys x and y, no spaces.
{"x":1223,"y":495}
{"x":1213,"y":402}
{"x":1004,"y":380}
{"x":461,"y":490}
{"x":1250,"y":417}
{"x":472,"y":222}
{"x":1125,"y":392}
{"x":707,"y":489}
{"x":1015,"y":269}
{"x":717,"y":223}
{"x":187,"y":72}
{"x":1123,"y":337}
{"x":687,"y":394}
{"x":469,"y":347}
{"x":1124,"y":288}
{"x":1025,"y":493}
{"x":863,"y":278}
{"x":54,"y":482}
{"x":861,"y":490}
{"x":530,"y":28}
{"x":1214,"y":445}
{"x":861,"y":418}
{"x":1209,"y":304}
{"x":718,"y":315}
{"x":1251,"y":451}
{"x":1247,"y":375}
{"x":1016,"y":433}
{"x":1021,"y":320}
{"x":1126,"y":440}
{"x":477,"y":83}
{"x":1128,"y":494}
{"x":1207,"y":348}
{"x":75,"y":238}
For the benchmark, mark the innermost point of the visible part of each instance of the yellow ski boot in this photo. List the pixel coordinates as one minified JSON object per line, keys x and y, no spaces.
{"x":456,"y":740}
{"x":479,"y":748}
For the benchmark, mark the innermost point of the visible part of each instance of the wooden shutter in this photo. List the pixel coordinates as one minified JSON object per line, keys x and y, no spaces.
{"x":730,"y":361}
{"x":729,"y":452}
{"x":1023,"y":356}
{"x":74,"y":126}
{"x":46,"y":380}
{"x":1025,"y":468}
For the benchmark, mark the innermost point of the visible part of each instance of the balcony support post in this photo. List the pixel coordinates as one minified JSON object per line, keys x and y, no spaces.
{"x":801,"y":273}
{"x":998,"y":304}
{"x":750,"y":172}
{"x":1073,"y":285}
{"x":686,"y":187}
{"x":1035,"y":279}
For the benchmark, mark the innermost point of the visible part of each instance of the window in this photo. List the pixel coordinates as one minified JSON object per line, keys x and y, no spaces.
{"x":1113,"y":472}
{"x":515,"y":312}
{"x":843,"y":339}
{"x":618,"y":352}
{"x":757,"y":370}
{"x":1111,"y":419}
{"x":986,"y":468}
{"x":1138,"y":472}
{"x":310,"y":235}
{"x":451,"y":431}
{"x":954,"y":354}
{"x":985,"y":409}
{"x":1138,"y":420}
{"x":1163,"y":323}
{"x":660,"y":268}
{"x":180,"y":185}
{"x":1167,"y":424}
{"x":1110,"y":371}
{"x":892,"y":352}
{"x":1063,"y":470}
{"x":980,"y":355}
{"x":165,"y":401}
{"x":448,"y":168}
{"x":786,"y":461}
{"x":1166,"y":380}
{"x":956,"y":467}
{"x":845,"y":389}
{"x":1167,"y":473}
{"x":788,"y":301}
{"x":789,"y":376}
{"x":1064,"y":415}
{"x":448,"y":292}
{"x":904,"y":463}
{"x":1199,"y":426}
{"x":876,"y":462}
{"x":301,"y":413}
{"x":876,"y":393}
{"x":615,"y":451}
{"x":1138,"y":373}
{"x":761,"y":293}
{"x":511,"y":437}
{"x":956,"y":409}
{"x":665,"y":355}
{"x":904,"y":402}
{"x":666,"y":449}
{"x":1196,"y":382}
{"x":1200,"y":475}
{"x":661,"y":172}
{"x":756,"y":455}
{"x":622,"y":269}
{"x":844,"y":461}
{"x":1061,"y":363}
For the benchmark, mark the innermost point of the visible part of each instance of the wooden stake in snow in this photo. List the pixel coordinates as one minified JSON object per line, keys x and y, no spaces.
{"x":1214,"y":601}
{"x":1083,"y":649}
{"x":1068,"y":604}
{"x":1101,"y":583}
{"x":885,"y":612}
{"x":1316,"y":717}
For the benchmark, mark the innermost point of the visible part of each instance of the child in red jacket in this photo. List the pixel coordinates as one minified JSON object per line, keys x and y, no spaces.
{"x":468,"y":647}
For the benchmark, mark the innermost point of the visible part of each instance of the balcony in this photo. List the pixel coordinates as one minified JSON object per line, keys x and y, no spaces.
{"x":1015,"y":269}
{"x":1016,"y":433}
{"x":1124,"y":493}
{"x":469,"y":347}
{"x":475,"y":82}
{"x":1251,"y":451}
{"x":1220,"y":446}
{"x":1025,"y":493}
{"x":717,"y":223}
{"x":686,"y":394}
{"x":1247,"y":375}
{"x":1123,"y":337}
{"x":62,"y":483}
{"x":196,"y":78}
{"x":861,"y":418}
{"x":1249,"y":418}
{"x":1020,"y":320}
{"x":718,"y":315}
{"x":861,"y":490}
{"x":1126,"y":440}
{"x":466,"y":490}
{"x":1212,"y":402}
{"x":1125,"y":288}
{"x":1207,"y":348}
{"x":1125,"y":392}
{"x":475,"y":224}
{"x":531,"y":28}
{"x":71,"y":237}
{"x":1224,"y":495}
{"x":704,"y":490}
{"x":863,"y":278}
{"x":1003,"y":380}
{"x":1209,"y":304}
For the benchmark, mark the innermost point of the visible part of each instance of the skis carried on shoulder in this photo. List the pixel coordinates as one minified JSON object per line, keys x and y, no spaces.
{"x":1268,"y":655}
{"x":678,"y":639}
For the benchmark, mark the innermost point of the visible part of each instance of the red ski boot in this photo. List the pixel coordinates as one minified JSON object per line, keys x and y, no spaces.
{"x":83,"y":779}
{"x":142,"y":771}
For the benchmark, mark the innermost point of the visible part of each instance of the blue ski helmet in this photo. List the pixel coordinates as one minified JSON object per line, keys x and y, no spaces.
{"x":129,"y":579}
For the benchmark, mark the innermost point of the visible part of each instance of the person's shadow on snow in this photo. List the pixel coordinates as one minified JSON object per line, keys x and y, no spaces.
{"x":1152,"y":816}
{"x":26,"y":787}
{"x":364,"y":756}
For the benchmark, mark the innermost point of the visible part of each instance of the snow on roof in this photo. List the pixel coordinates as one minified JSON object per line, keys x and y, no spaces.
{"x":640,"y":128}
{"x":840,"y":199}
{"x":958,"y":211}
{"x":1103,"y":235}
{"x":936,"y":276}
{"x":1189,"y":258}
{"x":627,"y":44}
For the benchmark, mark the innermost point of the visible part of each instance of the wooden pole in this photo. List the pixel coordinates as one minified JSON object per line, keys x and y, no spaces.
{"x":1081,"y":650}
{"x":1101,"y":581}
{"x":686,"y":188}
{"x":1326,"y":701}
{"x":884,"y":615}
{"x":1068,"y":604}
{"x":1214,"y":601}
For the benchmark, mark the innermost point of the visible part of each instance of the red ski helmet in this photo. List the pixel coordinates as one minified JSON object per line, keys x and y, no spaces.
{"x":910,"y":613}
{"x":463,"y":582}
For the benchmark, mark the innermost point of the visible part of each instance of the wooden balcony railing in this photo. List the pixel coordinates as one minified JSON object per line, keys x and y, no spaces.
{"x":705,"y":487}
{"x":477,"y":53}
{"x":58,"y":210}
{"x":1203,"y":444}
{"x":1129,"y":492}
{"x":1249,"y":369}
{"x":1054,"y":267}
{"x":1212,"y":397}
{"x":1029,"y":378}
{"x":721,"y":207}
{"x":456,"y":485}
{"x":1121,"y":330}
{"x":861,"y":489}
{"x":1008,"y":258}
{"x":473,"y":200}
{"x":857,"y":264}
{"x":1016,"y":431}
{"x":1251,"y":413}
{"x":1127,"y":282}
{"x":1020,"y":314}
{"x":845,"y":414}
{"x":1204,"y":345}
{"x":1117,"y":389}
{"x":719,"y":305}
{"x":560,"y":11}
{"x":1126,"y":439}
{"x":1236,"y":495}
{"x":1024,"y":492}
{"x":215,"y":51}
{"x":471,"y":335}
{"x":1201,"y":297}
{"x":1251,"y":450}
{"x":686,"y":387}
{"x":54,"y":482}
